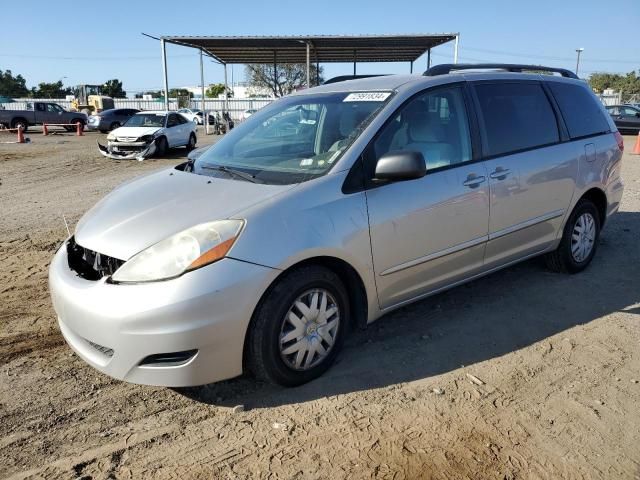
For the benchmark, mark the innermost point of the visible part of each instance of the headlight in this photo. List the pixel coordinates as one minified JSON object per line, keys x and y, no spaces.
{"x":146,"y":138}
{"x":111,"y":136}
{"x":182,"y":252}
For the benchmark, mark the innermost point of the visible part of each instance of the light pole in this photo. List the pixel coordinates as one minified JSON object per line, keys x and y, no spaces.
{"x":578,"y":51}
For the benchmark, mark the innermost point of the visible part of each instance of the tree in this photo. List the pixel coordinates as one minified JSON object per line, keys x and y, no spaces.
{"x":282,"y":80}
{"x":182,"y":94}
{"x":50,"y":90}
{"x":629,"y":83}
{"x":113,"y":88}
{"x":11,"y":86}
{"x":214,"y":90}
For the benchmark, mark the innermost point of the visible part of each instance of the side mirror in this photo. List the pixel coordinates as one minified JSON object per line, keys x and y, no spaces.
{"x":638,"y":114}
{"x":398,"y":166}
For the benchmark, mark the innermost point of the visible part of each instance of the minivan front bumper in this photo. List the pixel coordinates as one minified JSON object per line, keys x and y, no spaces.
{"x":129,"y":331}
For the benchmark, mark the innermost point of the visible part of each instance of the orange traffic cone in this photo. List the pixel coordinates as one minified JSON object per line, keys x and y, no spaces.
{"x":79,"y":128}
{"x":20,"y":135}
{"x":45,"y":131}
{"x":636,"y":149}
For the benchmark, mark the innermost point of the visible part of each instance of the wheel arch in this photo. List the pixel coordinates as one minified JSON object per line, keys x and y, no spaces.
{"x":599,"y":199}
{"x":15,"y":120}
{"x":358,"y":306}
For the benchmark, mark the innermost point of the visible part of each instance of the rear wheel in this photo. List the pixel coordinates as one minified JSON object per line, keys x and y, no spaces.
{"x":299,"y":328}
{"x":579,"y":240}
{"x":20,"y":122}
{"x":161,"y":146}
{"x":192,"y":142}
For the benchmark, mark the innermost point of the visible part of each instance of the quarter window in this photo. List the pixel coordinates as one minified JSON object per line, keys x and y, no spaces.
{"x":516,"y":116}
{"x":434,"y":124}
{"x":580,"y":109}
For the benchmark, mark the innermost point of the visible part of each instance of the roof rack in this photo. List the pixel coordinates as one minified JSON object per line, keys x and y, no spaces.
{"x":509,"y":67}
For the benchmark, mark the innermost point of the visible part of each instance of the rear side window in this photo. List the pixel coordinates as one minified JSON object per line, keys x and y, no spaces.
{"x":516,"y":116}
{"x":580,"y":110}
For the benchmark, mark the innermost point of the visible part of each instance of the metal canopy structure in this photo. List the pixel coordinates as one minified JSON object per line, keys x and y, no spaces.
{"x":323,"y":48}
{"x":305,"y":49}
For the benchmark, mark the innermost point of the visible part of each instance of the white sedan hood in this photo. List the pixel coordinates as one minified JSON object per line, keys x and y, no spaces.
{"x":134,"y":132}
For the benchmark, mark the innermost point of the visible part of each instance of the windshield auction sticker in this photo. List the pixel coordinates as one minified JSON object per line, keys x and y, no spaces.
{"x":367,"y":97}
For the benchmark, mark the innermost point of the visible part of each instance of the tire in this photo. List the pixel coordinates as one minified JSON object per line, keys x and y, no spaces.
{"x":584,"y":222}
{"x":192,"y":142}
{"x":17,"y":122}
{"x":273,"y":360}
{"x":161,"y":146}
{"x":114,"y":125}
{"x":104,"y":131}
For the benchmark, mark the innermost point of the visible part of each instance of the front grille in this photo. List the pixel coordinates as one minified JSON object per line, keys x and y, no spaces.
{"x":106,"y":351}
{"x":127,"y":139}
{"x":88,"y":264}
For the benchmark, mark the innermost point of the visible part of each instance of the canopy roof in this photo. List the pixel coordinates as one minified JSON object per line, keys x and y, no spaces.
{"x":323,"y":48}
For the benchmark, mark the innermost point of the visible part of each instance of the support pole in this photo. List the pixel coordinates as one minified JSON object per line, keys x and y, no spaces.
{"x":428,"y":59}
{"x":202,"y":83}
{"x":317,"y":72}
{"x":411,"y":66}
{"x":226,"y":99}
{"x":275,"y":73}
{"x":354,"y":62}
{"x":308,"y":66}
{"x":205,"y":117}
{"x":164,"y":74}
{"x":455,"y":49}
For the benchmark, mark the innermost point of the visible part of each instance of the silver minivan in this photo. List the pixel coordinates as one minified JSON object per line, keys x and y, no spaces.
{"x":329,"y":208}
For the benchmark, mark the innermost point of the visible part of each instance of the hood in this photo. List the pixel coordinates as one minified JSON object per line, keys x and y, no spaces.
{"x":134,"y":131}
{"x":144,"y":211}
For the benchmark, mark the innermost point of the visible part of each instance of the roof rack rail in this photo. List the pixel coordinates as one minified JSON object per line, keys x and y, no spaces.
{"x":509,"y":67}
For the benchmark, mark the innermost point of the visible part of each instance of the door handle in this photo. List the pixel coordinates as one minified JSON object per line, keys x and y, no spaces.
{"x":499,"y":173}
{"x":474,"y":180}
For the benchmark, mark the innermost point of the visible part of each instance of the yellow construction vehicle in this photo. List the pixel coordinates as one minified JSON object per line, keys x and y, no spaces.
{"x":89,"y":99}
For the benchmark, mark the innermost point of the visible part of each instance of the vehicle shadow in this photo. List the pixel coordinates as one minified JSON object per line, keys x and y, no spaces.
{"x":484,"y":319}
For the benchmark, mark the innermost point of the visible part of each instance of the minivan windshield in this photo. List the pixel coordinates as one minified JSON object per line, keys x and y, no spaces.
{"x":146,"y":120}
{"x":293,"y":139}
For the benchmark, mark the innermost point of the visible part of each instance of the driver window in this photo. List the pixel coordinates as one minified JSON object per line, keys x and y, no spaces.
{"x":434,"y":124}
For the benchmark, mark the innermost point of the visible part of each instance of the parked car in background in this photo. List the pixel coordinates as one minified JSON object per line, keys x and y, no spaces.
{"x":38,"y":113}
{"x":327,"y":209}
{"x":247,"y":113}
{"x":193,"y":115}
{"x":148,"y":133}
{"x":110,"y":119}
{"x":626,"y":117}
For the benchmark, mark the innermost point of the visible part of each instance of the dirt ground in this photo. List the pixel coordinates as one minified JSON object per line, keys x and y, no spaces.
{"x":554,"y":361}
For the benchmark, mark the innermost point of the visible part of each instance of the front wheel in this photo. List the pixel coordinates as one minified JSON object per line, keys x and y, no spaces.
{"x":161,"y":147}
{"x":299,"y":327}
{"x":579,"y":240}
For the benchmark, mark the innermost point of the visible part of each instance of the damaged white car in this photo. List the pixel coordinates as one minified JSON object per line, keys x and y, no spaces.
{"x":149,"y":133}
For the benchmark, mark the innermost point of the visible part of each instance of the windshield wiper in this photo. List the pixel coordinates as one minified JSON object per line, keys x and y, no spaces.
{"x":232,"y":172}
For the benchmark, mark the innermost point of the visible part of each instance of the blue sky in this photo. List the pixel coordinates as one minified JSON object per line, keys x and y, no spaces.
{"x":49,"y":42}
